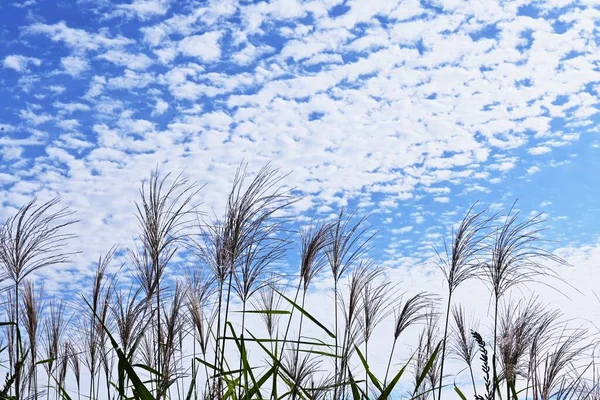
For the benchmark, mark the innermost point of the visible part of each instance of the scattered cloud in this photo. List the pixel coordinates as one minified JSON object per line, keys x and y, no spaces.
{"x":125,"y":59}
{"x":205,"y":47}
{"x":77,"y":39}
{"x":74,"y":65}
{"x":404,"y":229}
{"x":143,"y":9}
{"x":539,"y":150}
{"x":20,"y":63}
{"x":250,"y":53}
{"x":385,"y":106}
{"x":160,"y":107}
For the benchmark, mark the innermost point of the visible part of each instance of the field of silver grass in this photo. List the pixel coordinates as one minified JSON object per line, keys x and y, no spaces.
{"x":230,"y":324}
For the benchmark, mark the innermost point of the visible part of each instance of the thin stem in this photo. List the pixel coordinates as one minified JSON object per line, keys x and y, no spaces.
{"x":218,"y":342}
{"x":494,"y":381}
{"x":299,"y":334}
{"x":194,"y":363}
{"x":18,"y":363}
{"x":444,"y":344}
{"x":473,"y":380}
{"x":245,"y":372}
{"x":389,"y":363}
{"x":366,"y":374}
{"x":221,"y":361}
{"x":335,"y":312}
{"x":158,"y":328}
{"x":287,"y":329}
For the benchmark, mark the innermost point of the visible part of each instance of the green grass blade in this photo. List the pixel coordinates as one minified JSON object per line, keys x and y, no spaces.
{"x":388,"y":389}
{"x":209,"y":365}
{"x":231,"y":389}
{"x":192,"y":383}
{"x":369,"y":373}
{"x":354,"y":387}
{"x":257,"y":386}
{"x":427,"y":368}
{"x":63,"y":393}
{"x":460,"y":393}
{"x":142,"y":392}
{"x":321,"y":353}
{"x":149,"y":369}
{"x":268,"y":312}
{"x":246,"y":366}
{"x":279,"y":366}
{"x":268,"y":340}
{"x":306,"y":314}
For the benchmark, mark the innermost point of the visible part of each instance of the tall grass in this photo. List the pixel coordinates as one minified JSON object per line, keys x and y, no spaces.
{"x":172,"y":319}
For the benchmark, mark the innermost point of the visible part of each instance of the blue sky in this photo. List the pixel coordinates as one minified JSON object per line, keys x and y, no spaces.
{"x":409,"y":111}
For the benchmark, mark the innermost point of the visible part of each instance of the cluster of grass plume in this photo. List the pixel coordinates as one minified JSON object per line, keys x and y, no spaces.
{"x":151,"y":336}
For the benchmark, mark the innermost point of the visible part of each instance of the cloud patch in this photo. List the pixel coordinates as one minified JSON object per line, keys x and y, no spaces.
{"x":204,"y":47}
{"x":74,"y":65}
{"x":20,"y":63}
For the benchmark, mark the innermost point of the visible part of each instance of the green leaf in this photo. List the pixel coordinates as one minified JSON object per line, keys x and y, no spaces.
{"x":460,"y":393}
{"x":209,"y":365}
{"x":256,"y":388}
{"x":427,"y":368}
{"x":369,"y":373}
{"x":149,"y":369}
{"x":142,"y":392}
{"x":231,"y":392}
{"x":277,"y":364}
{"x":307,"y":314}
{"x":63,"y":393}
{"x":321,"y":353}
{"x":279,"y":340}
{"x":388,"y":389}
{"x":514,"y":392}
{"x":354,"y":386}
{"x":246,"y":367}
{"x":192,"y":383}
{"x":269,"y":312}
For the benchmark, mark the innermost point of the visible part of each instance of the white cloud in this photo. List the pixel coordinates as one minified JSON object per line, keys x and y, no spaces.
{"x":539,"y":150}
{"x":68,"y":124}
{"x":204,"y":47}
{"x":130,"y":80}
{"x":77,"y":39}
{"x":96,"y":86}
{"x":74,"y":65}
{"x":166,"y":54}
{"x":404,"y":229}
{"x":324,"y":58}
{"x":160,"y":107}
{"x":125,"y":59}
{"x":70,"y":108}
{"x":20,"y":63}
{"x":6,"y":128}
{"x":250,"y":52}
{"x":36,"y":118}
{"x":24,"y":4}
{"x":144,"y":9}
{"x":11,"y":153}
{"x":57,"y":89}
{"x":504,"y":165}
